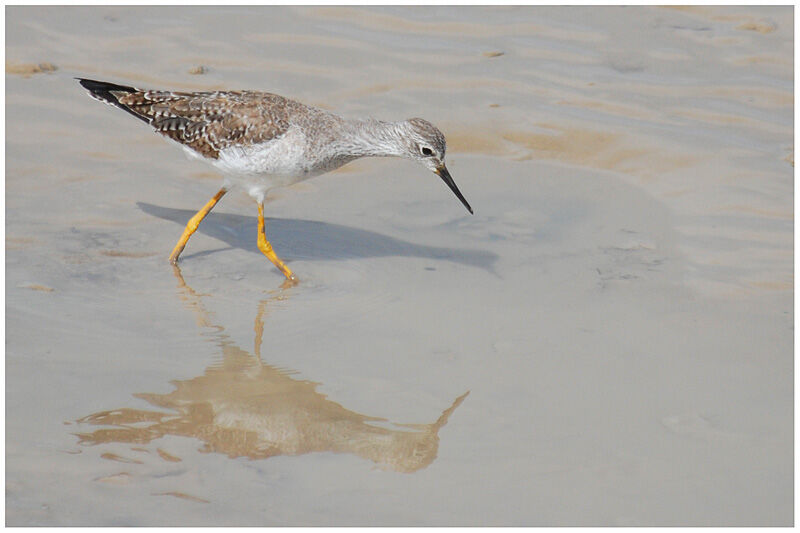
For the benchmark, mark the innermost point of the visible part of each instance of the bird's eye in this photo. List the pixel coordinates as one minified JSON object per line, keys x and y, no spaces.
{"x":426,"y":151}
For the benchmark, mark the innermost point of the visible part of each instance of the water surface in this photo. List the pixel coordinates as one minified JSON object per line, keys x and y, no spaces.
{"x":607,"y":341}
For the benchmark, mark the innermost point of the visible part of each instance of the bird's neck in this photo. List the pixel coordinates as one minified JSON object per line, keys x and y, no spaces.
{"x":372,"y":138}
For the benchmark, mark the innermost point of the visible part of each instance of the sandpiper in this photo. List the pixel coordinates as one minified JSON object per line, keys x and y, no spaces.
{"x":261,"y":140}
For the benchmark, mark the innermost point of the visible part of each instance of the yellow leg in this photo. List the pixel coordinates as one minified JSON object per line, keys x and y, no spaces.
{"x":191,"y":226}
{"x":266,"y":249}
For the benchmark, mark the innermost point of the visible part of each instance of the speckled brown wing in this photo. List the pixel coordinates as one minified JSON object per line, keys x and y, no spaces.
{"x":209,"y":122}
{"x":206,"y":122}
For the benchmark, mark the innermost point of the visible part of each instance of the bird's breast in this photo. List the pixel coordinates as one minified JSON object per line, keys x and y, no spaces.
{"x":284,"y":156}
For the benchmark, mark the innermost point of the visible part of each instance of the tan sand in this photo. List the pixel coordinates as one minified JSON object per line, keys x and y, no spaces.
{"x":607,"y":341}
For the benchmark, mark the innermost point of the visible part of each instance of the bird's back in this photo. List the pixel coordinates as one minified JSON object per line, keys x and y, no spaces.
{"x":206,"y":122}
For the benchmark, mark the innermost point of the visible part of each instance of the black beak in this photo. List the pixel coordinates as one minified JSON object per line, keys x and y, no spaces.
{"x":448,"y":179}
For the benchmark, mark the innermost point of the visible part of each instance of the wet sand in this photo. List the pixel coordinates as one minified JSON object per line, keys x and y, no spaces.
{"x":607,"y":341}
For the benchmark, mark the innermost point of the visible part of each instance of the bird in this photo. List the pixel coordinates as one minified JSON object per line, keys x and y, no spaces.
{"x":260,"y":140}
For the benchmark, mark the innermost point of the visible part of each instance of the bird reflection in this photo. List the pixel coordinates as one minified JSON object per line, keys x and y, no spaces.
{"x":243,"y":407}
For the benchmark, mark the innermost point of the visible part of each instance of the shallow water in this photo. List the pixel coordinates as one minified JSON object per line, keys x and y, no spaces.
{"x":608,"y":340}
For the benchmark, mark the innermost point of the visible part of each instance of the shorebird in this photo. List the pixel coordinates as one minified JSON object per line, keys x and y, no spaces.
{"x":260,"y":140}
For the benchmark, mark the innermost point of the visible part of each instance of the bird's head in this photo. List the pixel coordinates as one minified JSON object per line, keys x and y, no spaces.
{"x":424,"y":143}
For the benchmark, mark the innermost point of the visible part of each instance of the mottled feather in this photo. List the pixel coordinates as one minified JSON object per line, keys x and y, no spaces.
{"x":209,"y":122}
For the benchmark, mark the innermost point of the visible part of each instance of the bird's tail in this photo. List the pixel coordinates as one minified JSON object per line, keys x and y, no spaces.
{"x":110,"y":93}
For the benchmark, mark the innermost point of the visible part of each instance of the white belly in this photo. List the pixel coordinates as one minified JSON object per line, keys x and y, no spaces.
{"x":258,"y":168}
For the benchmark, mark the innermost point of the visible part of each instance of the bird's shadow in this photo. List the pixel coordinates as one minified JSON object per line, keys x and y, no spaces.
{"x":311,"y":240}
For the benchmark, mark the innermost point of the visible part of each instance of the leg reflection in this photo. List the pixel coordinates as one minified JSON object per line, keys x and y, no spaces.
{"x":243,"y":407}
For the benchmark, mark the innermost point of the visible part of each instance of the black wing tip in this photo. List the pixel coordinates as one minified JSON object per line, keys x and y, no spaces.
{"x":99,"y":87}
{"x":107,"y":92}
